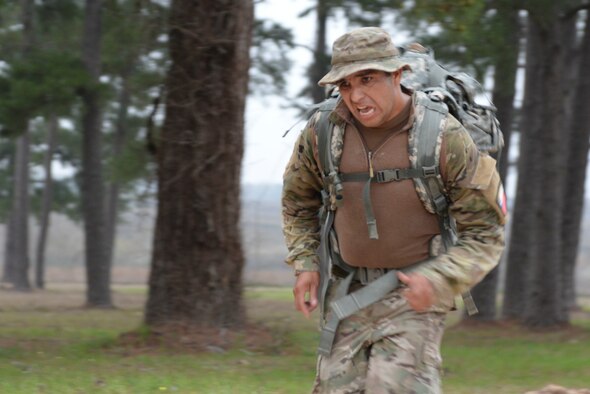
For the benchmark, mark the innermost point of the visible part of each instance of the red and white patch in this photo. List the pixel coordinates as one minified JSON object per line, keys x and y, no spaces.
{"x":501,"y":200}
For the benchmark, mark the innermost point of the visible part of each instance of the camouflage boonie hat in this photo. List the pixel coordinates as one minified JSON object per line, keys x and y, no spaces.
{"x":366,"y":48}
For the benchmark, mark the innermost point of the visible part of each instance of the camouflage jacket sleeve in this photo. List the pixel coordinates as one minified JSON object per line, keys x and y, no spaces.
{"x":477,"y":205}
{"x":301,"y":203}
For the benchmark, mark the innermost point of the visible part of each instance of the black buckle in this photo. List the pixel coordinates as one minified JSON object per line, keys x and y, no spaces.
{"x":440,"y":204}
{"x":388,"y":175}
{"x":368,"y":275}
{"x":429,"y":172}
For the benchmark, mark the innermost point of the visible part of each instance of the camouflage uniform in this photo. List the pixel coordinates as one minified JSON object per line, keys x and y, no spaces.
{"x":384,"y":348}
{"x":388,"y":347}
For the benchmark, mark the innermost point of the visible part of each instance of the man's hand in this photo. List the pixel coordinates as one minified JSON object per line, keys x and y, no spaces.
{"x":419,"y":293}
{"x":306,"y":292}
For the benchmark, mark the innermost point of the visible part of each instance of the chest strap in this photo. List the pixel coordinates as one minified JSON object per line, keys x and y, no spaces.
{"x":392,"y":175}
{"x":384,"y":176}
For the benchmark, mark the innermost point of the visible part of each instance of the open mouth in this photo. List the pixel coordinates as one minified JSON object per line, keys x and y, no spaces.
{"x":365,"y":111}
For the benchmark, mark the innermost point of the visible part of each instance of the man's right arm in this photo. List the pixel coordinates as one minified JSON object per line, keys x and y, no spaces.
{"x":301,"y":203}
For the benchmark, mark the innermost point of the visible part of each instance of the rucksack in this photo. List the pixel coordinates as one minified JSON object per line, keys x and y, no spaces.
{"x":442,"y":92}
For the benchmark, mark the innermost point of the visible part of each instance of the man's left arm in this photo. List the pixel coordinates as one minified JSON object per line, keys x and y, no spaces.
{"x":478,"y":206}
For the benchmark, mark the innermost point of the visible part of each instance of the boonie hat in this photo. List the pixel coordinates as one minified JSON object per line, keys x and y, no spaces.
{"x":366,"y":48}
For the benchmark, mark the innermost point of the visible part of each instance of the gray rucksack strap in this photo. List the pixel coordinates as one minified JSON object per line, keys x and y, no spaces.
{"x":429,"y":134}
{"x":346,"y":305}
{"x":324,"y":130}
{"x":324,"y":253}
{"x":329,"y":328}
{"x":430,"y":130}
{"x":324,"y":133}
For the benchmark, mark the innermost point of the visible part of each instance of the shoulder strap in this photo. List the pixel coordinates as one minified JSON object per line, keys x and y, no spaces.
{"x":324,"y":129}
{"x":332,"y":192}
{"x":429,"y":138}
{"x":427,"y":141}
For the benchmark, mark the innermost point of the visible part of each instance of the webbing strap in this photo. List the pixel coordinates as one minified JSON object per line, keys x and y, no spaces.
{"x":383,"y":176}
{"x":349,"y":304}
{"x":391,"y":175}
{"x":346,"y":305}
{"x":329,"y":329}
{"x":429,"y":131}
{"x":369,"y":214}
{"x":427,"y":141}
{"x":324,"y":256}
{"x":324,"y":132}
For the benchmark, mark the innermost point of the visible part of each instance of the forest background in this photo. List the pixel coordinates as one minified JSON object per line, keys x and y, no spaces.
{"x":140,"y":158}
{"x":93,"y":139}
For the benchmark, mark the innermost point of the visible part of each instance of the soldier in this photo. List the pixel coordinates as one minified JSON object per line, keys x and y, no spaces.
{"x":391,"y":345}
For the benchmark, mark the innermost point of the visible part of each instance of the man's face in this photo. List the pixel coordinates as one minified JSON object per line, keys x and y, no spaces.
{"x":373,"y":97}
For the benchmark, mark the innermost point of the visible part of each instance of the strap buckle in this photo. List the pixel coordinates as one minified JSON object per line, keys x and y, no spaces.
{"x":440,"y":204}
{"x":430,"y":172}
{"x":368,"y":275}
{"x":388,"y":175}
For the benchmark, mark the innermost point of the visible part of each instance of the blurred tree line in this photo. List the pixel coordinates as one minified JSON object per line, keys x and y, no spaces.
{"x":134,"y":95}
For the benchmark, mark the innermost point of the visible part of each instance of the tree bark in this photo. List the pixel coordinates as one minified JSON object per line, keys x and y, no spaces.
{"x":46,"y":202}
{"x":506,"y":63}
{"x":8,"y":268}
{"x":575,"y":175}
{"x":112,"y":206}
{"x":521,"y":253}
{"x":544,"y":298}
{"x":321,"y":61}
{"x":19,"y":231}
{"x":16,"y":264}
{"x":543,"y":284}
{"x":197,"y":259}
{"x":98,"y":278}
{"x":506,"y":66}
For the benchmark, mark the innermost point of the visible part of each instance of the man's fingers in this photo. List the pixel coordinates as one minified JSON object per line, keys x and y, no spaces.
{"x":419,"y":291}
{"x":405,"y":279}
{"x":306,"y":292}
{"x":301,"y":304}
{"x":299,"y":296}
{"x":313,"y":296}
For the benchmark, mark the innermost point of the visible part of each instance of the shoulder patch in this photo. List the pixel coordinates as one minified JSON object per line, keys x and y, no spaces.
{"x":481,"y":177}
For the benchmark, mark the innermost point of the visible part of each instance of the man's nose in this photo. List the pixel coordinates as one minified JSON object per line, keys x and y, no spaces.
{"x":357,"y":94}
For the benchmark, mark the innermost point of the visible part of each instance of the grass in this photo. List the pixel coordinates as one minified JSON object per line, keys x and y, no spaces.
{"x":50,"y":345}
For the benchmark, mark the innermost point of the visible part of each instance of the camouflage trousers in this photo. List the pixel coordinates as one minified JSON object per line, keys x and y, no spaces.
{"x":384,"y":348}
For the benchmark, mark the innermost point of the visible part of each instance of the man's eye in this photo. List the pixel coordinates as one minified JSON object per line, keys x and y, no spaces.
{"x":344,"y":86}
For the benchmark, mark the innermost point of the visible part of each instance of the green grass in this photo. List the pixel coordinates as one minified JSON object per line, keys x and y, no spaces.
{"x":492,"y":361}
{"x":52,"y":349}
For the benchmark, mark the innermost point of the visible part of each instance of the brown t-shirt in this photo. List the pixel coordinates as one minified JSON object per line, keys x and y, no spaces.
{"x":405,"y":227}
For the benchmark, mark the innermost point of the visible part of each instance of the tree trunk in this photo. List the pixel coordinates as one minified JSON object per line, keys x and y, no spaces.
{"x":19,"y":231}
{"x":112,"y":206}
{"x":321,"y":61}
{"x":16,"y":262}
{"x":506,"y":66}
{"x":544,"y":302}
{"x":98,"y":278}
{"x":521,"y":253}
{"x":8,"y":268}
{"x":484,"y":294}
{"x":46,"y":201}
{"x":197,"y":259}
{"x":575,"y":176}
